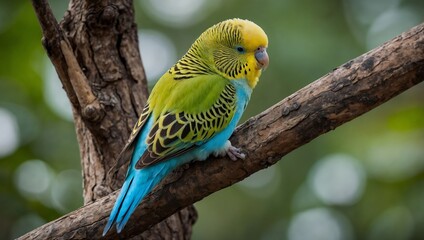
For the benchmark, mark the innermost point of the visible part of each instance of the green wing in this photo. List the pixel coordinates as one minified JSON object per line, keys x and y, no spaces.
{"x":186,"y":118}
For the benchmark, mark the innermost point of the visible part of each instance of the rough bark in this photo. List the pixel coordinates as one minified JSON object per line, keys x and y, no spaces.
{"x":95,"y":52}
{"x":338,"y":97}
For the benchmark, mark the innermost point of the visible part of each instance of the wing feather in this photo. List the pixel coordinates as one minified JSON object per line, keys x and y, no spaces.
{"x":177,"y":132}
{"x":128,"y":149}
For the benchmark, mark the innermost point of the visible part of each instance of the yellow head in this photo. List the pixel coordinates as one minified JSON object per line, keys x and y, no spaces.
{"x":234,"y":49}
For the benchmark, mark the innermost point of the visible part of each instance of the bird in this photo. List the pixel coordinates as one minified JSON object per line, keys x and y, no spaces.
{"x":192,"y":110}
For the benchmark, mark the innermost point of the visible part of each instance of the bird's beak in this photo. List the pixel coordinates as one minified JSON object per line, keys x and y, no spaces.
{"x":262,"y":57}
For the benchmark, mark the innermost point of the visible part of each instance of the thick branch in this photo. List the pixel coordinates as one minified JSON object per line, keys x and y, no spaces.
{"x":340,"y":96}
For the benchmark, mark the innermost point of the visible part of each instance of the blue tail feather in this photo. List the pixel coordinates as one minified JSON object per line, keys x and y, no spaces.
{"x":130,"y":204}
{"x":136,"y":186}
{"x":118,"y":204}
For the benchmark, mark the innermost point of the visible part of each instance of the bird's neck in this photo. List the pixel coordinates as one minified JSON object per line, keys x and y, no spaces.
{"x":243,"y":89}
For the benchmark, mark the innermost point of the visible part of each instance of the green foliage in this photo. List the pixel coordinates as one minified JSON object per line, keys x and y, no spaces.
{"x":363,"y":180}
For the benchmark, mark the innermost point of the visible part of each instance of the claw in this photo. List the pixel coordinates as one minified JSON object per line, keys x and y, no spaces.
{"x":232,"y":152}
{"x":235,"y":153}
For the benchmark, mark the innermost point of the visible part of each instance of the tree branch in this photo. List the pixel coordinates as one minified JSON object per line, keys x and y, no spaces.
{"x":70,"y":73}
{"x":338,"y":97}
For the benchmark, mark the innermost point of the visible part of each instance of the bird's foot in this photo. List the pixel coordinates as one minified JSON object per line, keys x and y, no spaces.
{"x":235,"y":153}
{"x":232,"y":152}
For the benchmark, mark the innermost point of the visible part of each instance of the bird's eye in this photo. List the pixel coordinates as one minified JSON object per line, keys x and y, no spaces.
{"x":240,"y":49}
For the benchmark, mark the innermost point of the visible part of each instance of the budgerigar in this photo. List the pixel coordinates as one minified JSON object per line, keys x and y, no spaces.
{"x":192,"y":110}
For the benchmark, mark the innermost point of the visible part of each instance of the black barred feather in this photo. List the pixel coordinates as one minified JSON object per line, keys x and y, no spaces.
{"x":182,"y":129}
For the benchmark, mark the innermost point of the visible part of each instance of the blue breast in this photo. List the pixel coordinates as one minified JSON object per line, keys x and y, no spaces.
{"x":243,"y":92}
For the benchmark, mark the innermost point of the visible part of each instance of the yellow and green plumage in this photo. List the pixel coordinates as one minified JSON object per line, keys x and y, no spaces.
{"x":192,"y":110}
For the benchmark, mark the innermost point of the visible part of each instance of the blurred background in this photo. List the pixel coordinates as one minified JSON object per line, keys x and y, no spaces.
{"x":365,"y":180}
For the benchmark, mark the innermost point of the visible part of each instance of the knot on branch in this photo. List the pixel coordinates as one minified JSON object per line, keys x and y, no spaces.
{"x":102,"y":17}
{"x":92,"y":112}
{"x":108,"y":16}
